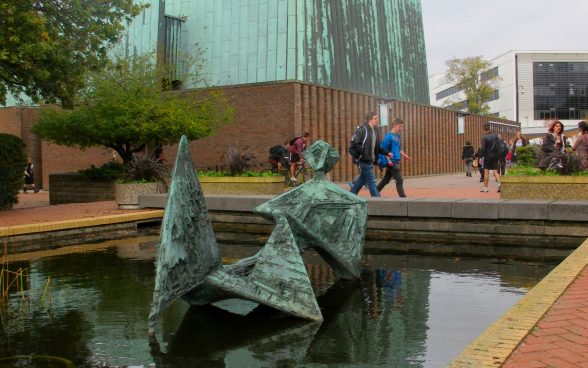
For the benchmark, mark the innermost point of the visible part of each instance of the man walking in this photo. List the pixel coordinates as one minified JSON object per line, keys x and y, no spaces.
{"x":367,"y":142}
{"x":490,"y":159}
{"x":392,"y":143}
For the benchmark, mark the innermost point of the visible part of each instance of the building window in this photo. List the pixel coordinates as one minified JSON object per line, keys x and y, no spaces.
{"x":494,"y":96}
{"x":489,"y":74}
{"x":173,"y":34}
{"x":560,"y":90}
{"x":448,"y":92}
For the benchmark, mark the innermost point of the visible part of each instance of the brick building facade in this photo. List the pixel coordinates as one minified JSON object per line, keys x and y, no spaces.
{"x":269,"y":113}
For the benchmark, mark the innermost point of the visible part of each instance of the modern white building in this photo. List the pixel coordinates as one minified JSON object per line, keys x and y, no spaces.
{"x":532,"y":87}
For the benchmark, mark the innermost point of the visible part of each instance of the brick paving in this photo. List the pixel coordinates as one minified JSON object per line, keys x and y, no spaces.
{"x":560,"y":338}
{"x":548,"y":327}
{"x":34,"y":208}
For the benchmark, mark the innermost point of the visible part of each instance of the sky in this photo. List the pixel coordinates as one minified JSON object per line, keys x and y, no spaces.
{"x":463,"y":28}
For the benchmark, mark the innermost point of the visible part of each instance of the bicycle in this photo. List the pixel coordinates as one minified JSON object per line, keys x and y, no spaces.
{"x":301,"y":173}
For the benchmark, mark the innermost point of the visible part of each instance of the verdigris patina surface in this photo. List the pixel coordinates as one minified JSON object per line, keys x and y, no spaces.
{"x":324,"y":216}
{"x":316,"y":214}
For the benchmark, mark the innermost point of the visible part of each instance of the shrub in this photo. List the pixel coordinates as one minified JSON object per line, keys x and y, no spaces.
{"x":12,"y":163}
{"x":110,"y":171}
{"x":528,"y":155}
{"x":238,"y":160}
{"x":144,"y":169}
{"x":524,"y":170}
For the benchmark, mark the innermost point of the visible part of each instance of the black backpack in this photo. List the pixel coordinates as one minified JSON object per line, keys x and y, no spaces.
{"x":354,"y":151}
{"x":277,"y":150}
{"x":499,"y":148}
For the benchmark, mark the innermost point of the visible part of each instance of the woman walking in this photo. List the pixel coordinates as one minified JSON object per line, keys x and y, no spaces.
{"x":519,"y":141}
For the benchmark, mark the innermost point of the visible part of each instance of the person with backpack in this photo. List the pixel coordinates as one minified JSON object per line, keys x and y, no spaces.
{"x":467,"y":155}
{"x":278,"y":156}
{"x":297,"y":145}
{"x":502,"y":155}
{"x":364,"y":148}
{"x":491,"y":151}
{"x":393,"y":144}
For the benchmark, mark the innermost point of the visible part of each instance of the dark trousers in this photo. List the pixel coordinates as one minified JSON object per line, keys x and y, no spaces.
{"x":501,"y":166}
{"x":393,"y":172}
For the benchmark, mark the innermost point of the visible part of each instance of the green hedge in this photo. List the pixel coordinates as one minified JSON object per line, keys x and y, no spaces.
{"x":12,"y":164}
{"x":528,"y":155}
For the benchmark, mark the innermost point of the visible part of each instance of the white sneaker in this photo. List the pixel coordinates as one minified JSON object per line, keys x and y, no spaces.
{"x":293,"y":179}
{"x":485,"y":190}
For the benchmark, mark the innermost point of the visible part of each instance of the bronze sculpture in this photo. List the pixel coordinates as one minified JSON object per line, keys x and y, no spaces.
{"x":317,"y":214}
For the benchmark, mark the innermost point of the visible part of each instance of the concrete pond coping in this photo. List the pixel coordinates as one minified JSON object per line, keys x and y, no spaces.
{"x":489,"y":209}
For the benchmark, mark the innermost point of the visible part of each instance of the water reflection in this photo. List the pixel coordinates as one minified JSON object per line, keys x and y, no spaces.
{"x":406,"y":311}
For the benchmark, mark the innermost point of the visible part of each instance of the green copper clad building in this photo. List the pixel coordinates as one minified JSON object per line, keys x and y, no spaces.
{"x":369,"y":46}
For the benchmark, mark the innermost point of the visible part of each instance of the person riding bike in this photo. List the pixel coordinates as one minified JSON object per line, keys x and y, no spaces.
{"x":297,"y":145}
{"x":278,"y":156}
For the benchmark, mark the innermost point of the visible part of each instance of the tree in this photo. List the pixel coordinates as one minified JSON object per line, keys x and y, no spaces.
{"x":472,"y":77}
{"x":126,"y":109}
{"x":46,"y":46}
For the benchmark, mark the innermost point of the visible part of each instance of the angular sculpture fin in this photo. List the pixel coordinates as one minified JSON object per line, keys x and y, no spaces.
{"x":324,"y":216}
{"x":275,"y":277}
{"x":187,"y":252}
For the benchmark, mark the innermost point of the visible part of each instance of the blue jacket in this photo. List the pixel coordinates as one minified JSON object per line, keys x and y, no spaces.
{"x":391,"y":143}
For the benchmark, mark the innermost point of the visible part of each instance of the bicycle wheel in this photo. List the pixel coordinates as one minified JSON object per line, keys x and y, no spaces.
{"x":304,"y":174}
{"x":286,"y":174}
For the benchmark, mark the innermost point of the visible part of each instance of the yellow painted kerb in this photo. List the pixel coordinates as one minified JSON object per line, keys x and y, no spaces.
{"x":84,"y":222}
{"x":494,"y":345}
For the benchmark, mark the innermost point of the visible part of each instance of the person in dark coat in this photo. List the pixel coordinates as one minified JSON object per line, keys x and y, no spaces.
{"x":367,"y":142}
{"x":29,"y":177}
{"x":467,"y":155}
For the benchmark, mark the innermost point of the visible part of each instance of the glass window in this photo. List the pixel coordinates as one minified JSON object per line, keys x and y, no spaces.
{"x":560,"y":90}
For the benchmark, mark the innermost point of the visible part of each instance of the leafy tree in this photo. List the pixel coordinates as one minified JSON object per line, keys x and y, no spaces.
{"x":470,"y":75}
{"x":46,"y":46}
{"x":125,"y":108}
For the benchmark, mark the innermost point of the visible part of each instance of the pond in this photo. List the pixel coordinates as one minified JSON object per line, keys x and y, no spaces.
{"x":89,"y":305}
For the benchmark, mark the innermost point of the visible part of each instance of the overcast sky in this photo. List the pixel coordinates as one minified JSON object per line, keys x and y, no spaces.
{"x":462,"y":28}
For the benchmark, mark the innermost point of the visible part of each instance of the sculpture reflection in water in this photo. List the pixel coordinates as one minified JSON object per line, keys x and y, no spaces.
{"x":212,"y":337}
{"x":317,"y":214}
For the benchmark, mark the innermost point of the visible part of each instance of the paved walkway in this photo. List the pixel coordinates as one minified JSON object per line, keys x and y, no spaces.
{"x":547,"y":328}
{"x":560,"y":338}
{"x":34,"y":207}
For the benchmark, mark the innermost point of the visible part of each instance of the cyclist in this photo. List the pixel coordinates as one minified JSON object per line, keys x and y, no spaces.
{"x":297,"y":145}
{"x":278,"y":156}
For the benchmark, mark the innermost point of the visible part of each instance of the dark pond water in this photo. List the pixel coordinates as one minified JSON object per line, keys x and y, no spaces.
{"x":407,"y":311}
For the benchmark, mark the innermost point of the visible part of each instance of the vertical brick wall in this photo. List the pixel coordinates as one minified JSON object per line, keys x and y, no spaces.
{"x":18,"y":122}
{"x":265,"y":115}
{"x":61,"y":159}
{"x":270,"y":113}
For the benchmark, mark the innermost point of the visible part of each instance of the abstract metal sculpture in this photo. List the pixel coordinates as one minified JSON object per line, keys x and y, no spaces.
{"x":316,"y":214}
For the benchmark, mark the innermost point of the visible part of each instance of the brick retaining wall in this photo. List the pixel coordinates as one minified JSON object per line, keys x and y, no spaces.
{"x":267,"y":114}
{"x":75,"y":188}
